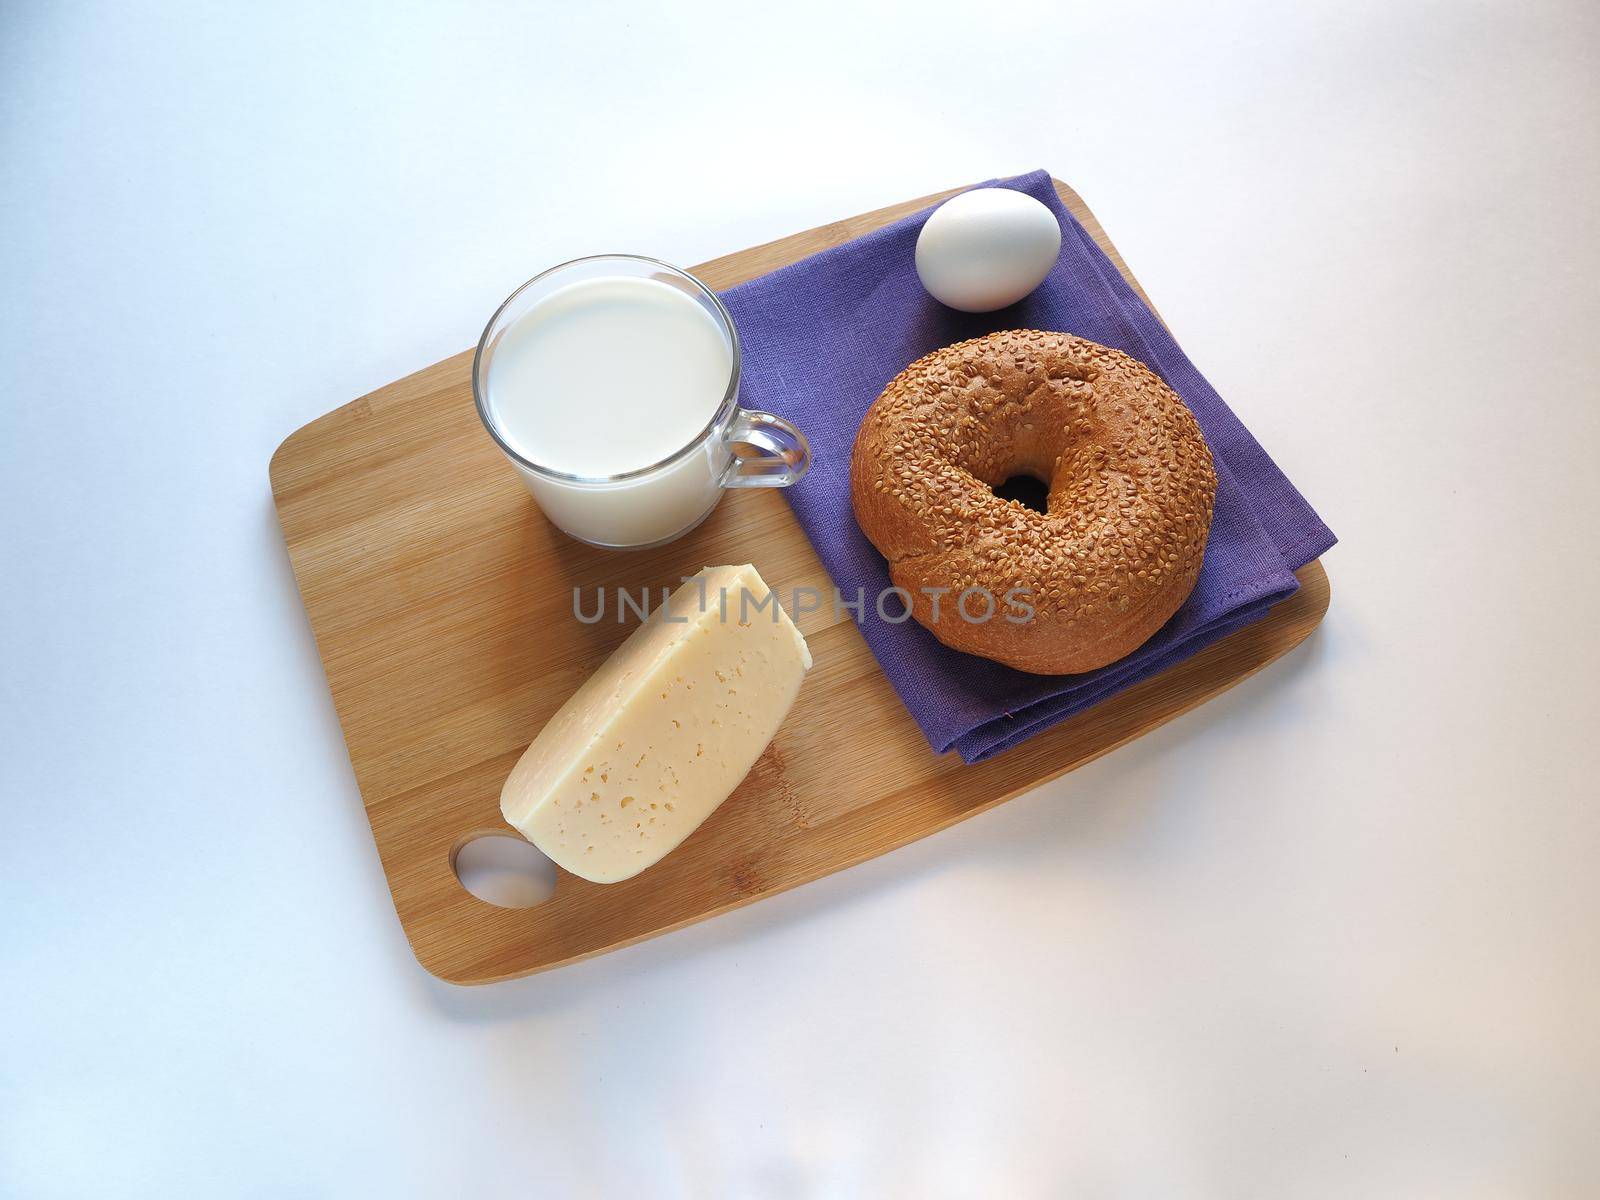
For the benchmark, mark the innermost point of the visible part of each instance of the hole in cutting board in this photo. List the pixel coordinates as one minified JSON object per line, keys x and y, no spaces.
{"x":505,"y":871}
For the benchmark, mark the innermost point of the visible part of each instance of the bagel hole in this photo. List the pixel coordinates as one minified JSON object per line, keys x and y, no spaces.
{"x":1027,"y":490}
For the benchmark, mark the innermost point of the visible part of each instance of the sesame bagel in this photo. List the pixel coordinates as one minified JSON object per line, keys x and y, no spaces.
{"x":1119,"y":545}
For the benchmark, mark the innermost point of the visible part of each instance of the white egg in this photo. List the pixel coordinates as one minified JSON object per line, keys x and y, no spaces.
{"x":987,"y":248}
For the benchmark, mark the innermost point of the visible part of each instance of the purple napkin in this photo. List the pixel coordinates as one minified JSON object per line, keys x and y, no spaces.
{"x":824,"y":335}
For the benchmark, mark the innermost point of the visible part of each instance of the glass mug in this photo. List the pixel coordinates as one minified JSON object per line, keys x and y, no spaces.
{"x":658,"y":501}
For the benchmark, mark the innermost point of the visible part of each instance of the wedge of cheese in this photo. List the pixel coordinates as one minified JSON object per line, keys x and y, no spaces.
{"x":661,"y":734}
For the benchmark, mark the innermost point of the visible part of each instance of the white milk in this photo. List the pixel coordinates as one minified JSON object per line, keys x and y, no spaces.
{"x":608,"y":376}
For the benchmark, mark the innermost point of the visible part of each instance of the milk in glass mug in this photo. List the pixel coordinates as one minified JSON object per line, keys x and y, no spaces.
{"x":612,"y":385}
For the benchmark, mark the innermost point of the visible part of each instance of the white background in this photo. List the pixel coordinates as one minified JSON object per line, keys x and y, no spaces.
{"x":1335,"y":934}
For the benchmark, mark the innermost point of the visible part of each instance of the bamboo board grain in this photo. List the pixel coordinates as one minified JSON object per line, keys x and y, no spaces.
{"x":441,"y":602}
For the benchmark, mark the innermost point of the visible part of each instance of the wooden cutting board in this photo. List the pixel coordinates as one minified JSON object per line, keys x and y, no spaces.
{"x":441,"y":601}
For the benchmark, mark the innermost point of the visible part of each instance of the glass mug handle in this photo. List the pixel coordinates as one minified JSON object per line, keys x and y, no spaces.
{"x":766,"y":451}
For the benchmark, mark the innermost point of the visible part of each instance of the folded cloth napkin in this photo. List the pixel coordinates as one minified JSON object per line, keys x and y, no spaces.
{"x":823,"y":336}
